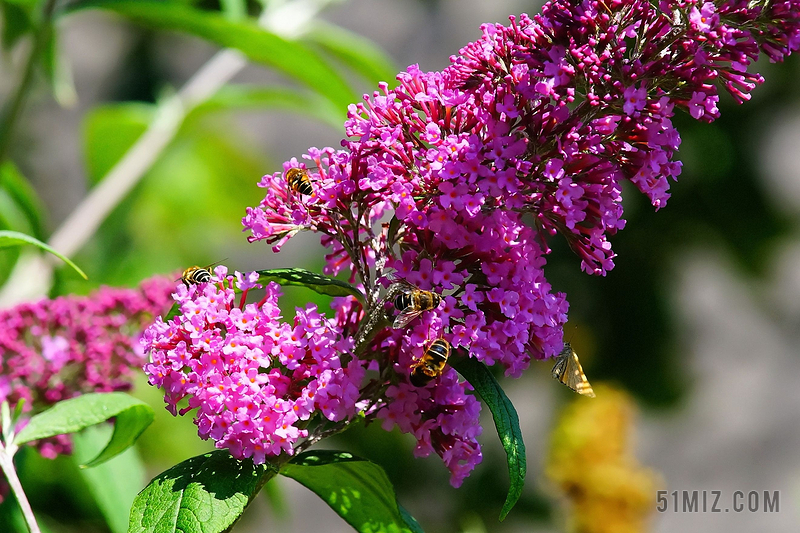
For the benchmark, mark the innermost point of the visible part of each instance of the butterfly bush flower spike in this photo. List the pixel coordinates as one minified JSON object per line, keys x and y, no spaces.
{"x":252,"y":379}
{"x":456,"y":182}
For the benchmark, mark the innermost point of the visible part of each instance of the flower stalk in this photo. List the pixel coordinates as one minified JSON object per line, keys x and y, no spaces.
{"x":7,"y":451}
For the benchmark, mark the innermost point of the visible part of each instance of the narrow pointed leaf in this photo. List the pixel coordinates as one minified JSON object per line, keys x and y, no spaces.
{"x":24,"y":195}
{"x":358,"y":490}
{"x":505,"y":420}
{"x":58,"y":71}
{"x":132,"y":417}
{"x":15,"y":238}
{"x":288,"y":57}
{"x":174,"y":311}
{"x":204,"y":494}
{"x":311,"y":280}
{"x":358,"y":53}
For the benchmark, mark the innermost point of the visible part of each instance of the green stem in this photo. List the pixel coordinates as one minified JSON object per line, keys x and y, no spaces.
{"x":14,"y":107}
{"x":7,"y":466}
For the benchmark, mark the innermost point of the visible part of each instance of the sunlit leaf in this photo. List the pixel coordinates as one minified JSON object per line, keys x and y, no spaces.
{"x":506,"y":421}
{"x":358,"y":490}
{"x":204,"y":494}
{"x":15,"y":238}
{"x":131,"y":418}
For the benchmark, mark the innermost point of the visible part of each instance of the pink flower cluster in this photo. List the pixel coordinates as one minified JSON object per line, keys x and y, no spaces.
{"x":53,"y":350}
{"x":444,"y":419}
{"x":253,"y":379}
{"x":529,"y":133}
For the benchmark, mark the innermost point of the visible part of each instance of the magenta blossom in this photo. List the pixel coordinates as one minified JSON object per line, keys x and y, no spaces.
{"x":53,"y":350}
{"x":456,"y":181}
{"x":254,"y":381}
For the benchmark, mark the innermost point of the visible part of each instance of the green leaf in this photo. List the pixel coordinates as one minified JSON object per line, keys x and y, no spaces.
{"x":30,"y":4}
{"x":13,"y":521}
{"x":410,"y":521}
{"x":174,"y":311}
{"x":113,"y":484}
{"x":288,"y":57}
{"x":69,"y":416}
{"x":108,"y":133}
{"x":24,"y":195}
{"x":204,"y":494}
{"x":15,"y":238}
{"x":235,"y":97}
{"x":360,"y":54}
{"x":234,"y":9}
{"x":311,"y":280}
{"x":358,"y":490}
{"x":505,"y":420}
{"x":16,"y":23}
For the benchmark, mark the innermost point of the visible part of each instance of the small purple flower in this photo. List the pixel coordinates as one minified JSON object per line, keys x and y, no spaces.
{"x":635,"y":100}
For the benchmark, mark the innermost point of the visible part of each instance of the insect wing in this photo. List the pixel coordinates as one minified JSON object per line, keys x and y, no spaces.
{"x":568,"y":370}
{"x":576,"y":379}
{"x":405,"y":318}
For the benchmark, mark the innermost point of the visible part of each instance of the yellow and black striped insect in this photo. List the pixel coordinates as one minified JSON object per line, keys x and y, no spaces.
{"x":299,"y":181}
{"x":568,"y":370}
{"x":431,"y":364}
{"x":412,"y":302}
{"x":195,"y":274}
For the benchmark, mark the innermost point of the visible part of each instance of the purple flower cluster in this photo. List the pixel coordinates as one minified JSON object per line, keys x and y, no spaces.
{"x":454,"y":181}
{"x":444,"y":419}
{"x":53,"y":350}
{"x":254,"y":380}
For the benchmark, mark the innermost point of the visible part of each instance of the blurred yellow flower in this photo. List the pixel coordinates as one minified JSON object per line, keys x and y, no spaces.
{"x":591,"y":460}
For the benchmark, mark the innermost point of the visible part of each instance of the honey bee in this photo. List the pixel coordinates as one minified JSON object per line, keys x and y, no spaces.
{"x":195,"y":274}
{"x":412,"y":302}
{"x":431,"y":364}
{"x":299,"y":181}
{"x":568,"y":370}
